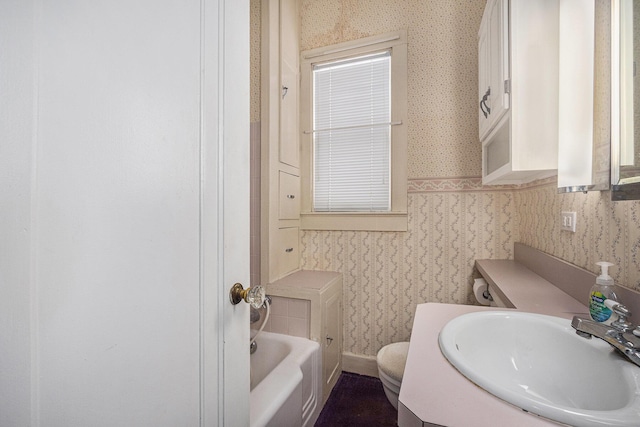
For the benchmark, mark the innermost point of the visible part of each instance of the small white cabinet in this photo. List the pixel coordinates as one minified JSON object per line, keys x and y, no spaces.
{"x":324,"y":290}
{"x":518,"y":47}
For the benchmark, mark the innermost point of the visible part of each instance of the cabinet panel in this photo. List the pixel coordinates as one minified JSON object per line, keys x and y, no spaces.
{"x":289,"y":82}
{"x":483,"y":79}
{"x":289,"y":50}
{"x":518,"y":49}
{"x":493,"y":66}
{"x":287,"y":251}
{"x":289,"y":196}
{"x":332,"y":313}
{"x":496,"y":151}
{"x":289,"y":149}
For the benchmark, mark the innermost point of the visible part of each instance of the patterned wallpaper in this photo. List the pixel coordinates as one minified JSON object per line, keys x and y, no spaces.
{"x":442,"y":69}
{"x":254,"y":59}
{"x":605,"y":230}
{"x":453,"y":220}
{"x":386,"y":274}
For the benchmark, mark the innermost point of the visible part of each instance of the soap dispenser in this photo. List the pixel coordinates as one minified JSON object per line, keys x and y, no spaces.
{"x":600,"y":292}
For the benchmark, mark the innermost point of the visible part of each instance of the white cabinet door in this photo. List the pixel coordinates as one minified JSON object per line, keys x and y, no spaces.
{"x":332,"y":340}
{"x":518,"y":88}
{"x":484,"y":59}
{"x":289,"y":75}
{"x":493,"y":61}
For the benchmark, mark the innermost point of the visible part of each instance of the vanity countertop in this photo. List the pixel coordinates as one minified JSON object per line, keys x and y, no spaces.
{"x":437,"y":393}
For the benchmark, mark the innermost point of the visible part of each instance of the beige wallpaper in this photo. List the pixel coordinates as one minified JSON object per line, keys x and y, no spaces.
{"x":606,"y":231}
{"x":452,"y":223}
{"x":386,"y":274}
{"x":254,"y":59}
{"x":443,"y":70}
{"x":453,"y":220}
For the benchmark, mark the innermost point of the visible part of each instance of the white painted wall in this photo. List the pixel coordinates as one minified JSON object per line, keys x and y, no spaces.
{"x":105,"y":318}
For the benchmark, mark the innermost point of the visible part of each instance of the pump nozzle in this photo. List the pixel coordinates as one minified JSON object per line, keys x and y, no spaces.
{"x":604,"y":278}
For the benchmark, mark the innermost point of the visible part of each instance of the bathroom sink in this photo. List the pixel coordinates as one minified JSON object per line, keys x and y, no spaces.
{"x":538,"y":363}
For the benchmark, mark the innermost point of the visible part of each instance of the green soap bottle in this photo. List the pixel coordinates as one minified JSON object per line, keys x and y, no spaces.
{"x":601,"y":291}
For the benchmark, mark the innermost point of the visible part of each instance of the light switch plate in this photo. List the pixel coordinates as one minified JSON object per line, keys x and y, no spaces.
{"x":568,"y":221}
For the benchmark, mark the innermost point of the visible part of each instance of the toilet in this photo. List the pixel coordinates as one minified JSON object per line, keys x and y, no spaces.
{"x":391,"y":360}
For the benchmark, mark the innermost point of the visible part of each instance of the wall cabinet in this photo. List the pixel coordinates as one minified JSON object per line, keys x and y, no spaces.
{"x":324,"y":290}
{"x":280,"y":152}
{"x":518,"y":60}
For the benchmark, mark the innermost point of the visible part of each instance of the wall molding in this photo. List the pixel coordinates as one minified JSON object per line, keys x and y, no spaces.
{"x":468,"y":184}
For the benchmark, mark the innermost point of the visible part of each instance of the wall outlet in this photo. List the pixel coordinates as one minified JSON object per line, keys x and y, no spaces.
{"x":568,"y":221}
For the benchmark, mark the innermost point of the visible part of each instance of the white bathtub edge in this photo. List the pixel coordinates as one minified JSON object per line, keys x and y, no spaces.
{"x":269,"y":396}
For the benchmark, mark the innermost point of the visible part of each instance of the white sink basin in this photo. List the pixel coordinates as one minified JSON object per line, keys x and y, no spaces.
{"x":539,"y":363}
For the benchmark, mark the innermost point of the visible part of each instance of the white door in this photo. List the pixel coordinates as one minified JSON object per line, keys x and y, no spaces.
{"x":127,"y":218}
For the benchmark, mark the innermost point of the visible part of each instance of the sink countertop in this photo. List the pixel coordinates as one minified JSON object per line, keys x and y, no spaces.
{"x":437,"y":393}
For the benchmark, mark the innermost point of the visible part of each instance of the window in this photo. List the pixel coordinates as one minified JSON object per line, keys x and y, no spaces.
{"x":351,"y":134}
{"x":353,"y":113}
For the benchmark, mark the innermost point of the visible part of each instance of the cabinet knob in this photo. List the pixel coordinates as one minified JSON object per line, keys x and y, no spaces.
{"x":291,"y":196}
{"x":289,"y":250}
{"x":329,"y":340}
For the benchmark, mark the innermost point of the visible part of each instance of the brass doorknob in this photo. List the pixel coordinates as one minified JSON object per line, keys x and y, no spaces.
{"x":254,"y":296}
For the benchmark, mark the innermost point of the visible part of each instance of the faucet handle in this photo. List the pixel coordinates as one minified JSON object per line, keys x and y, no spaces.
{"x":623,"y":312}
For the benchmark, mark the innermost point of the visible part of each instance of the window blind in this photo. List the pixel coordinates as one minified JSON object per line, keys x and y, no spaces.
{"x":352,"y":134}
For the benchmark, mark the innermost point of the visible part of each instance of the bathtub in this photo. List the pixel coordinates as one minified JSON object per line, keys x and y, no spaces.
{"x":286,"y":390}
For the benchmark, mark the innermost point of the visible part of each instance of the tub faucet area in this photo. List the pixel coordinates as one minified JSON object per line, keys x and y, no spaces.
{"x":620,"y":334}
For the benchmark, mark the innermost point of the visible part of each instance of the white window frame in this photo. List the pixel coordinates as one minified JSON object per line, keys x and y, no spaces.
{"x":396,"y":218}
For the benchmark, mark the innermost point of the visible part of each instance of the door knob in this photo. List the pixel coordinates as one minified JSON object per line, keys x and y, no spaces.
{"x":254,"y":296}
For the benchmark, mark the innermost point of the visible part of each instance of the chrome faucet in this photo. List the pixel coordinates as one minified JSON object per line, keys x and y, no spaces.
{"x":620,"y":334}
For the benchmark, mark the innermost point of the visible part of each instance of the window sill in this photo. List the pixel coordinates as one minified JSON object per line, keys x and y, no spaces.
{"x":356,"y":221}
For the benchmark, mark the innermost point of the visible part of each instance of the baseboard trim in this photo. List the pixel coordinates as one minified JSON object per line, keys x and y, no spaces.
{"x":360,"y":364}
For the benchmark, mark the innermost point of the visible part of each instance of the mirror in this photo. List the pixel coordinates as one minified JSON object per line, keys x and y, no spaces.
{"x":625,"y":101}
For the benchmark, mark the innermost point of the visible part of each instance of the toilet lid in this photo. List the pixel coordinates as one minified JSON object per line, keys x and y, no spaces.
{"x":392,"y":358}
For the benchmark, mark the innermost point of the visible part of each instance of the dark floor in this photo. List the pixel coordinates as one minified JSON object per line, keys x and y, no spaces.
{"x":357,"y":400}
